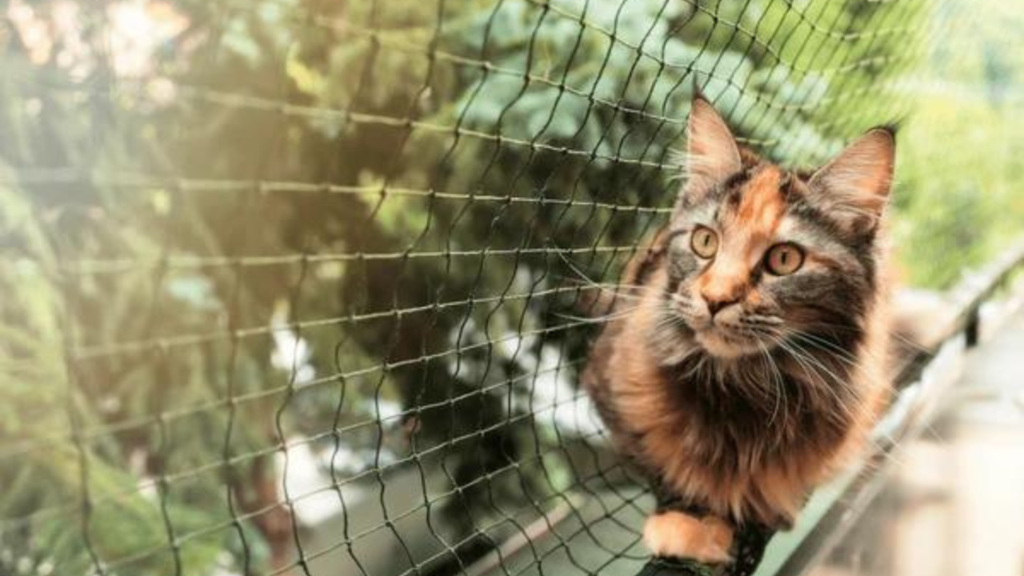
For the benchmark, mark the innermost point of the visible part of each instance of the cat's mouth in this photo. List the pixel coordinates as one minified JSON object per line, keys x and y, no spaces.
{"x":722,"y":342}
{"x":722,"y":336}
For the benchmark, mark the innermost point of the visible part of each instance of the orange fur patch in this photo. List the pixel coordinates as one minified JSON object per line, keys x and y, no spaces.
{"x":751,"y":229}
{"x":762,"y":203}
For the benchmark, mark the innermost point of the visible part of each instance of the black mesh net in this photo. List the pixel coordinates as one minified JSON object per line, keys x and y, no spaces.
{"x":303,"y":286}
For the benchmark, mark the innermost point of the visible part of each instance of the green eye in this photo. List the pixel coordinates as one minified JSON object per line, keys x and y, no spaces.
{"x":704,"y":242}
{"x":783,"y":259}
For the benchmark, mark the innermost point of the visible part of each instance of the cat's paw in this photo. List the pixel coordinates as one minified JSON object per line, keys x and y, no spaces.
{"x":678,"y":535}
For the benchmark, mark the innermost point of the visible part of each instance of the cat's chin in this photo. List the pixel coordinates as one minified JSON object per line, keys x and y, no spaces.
{"x":720,"y":345}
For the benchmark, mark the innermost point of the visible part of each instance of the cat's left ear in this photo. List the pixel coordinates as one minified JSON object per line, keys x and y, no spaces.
{"x":711,"y":151}
{"x":854,"y":187}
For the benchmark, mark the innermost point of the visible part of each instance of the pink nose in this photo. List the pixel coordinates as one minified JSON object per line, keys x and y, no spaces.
{"x":716,"y":304}
{"x":724,"y":284}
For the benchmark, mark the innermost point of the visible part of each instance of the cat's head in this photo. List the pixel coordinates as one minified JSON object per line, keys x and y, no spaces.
{"x":758,"y":254}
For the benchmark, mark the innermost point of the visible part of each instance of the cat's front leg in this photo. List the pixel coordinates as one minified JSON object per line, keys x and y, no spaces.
{"x":674,"y":534}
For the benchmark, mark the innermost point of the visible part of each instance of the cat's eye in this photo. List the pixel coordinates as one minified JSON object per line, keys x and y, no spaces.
{"x":783,"y":259}
{"x":704,"y":242}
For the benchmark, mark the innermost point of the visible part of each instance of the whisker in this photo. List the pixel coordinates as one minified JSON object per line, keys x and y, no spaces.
{"x":598,"y":319}
{"x":839,"y":353}
{"x":776,"y":377}
{"x":892,"y":334}
{"x":847,"y":409}
{"x":816,"y":378}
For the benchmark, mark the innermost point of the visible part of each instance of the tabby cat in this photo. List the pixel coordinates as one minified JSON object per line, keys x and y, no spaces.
{"x":743,"y":360}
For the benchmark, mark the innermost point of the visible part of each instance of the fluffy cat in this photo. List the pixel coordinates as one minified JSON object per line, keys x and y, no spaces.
{"x":744,"y":359}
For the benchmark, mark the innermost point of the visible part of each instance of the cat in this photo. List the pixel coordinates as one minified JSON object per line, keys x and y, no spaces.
{"x":744,"y":358}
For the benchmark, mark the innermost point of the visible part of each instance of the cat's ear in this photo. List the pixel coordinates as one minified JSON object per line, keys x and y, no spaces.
{"x":711,"y":151}
{"x":854,"y":187}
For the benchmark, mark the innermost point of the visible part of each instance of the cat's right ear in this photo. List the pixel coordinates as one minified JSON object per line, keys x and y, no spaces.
{"x":854,"y":187}
{"x":712,"y":154}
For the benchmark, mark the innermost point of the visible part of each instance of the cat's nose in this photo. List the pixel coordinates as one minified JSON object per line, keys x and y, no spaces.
{"x":716,"y":304}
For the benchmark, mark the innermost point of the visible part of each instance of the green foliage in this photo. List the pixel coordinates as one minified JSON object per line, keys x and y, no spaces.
{"x":188,"y":304}
{"x":957,"y":202}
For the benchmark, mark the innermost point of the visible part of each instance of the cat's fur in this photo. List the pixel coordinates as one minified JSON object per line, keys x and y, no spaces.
{"x":736,"y":416}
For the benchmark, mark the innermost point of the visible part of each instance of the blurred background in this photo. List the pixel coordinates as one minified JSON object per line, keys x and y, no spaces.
{"x":302,"y":286}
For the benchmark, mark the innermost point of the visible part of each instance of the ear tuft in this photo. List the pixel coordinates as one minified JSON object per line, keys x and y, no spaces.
{"x":712,"y":154}
{"x":854,"y":187}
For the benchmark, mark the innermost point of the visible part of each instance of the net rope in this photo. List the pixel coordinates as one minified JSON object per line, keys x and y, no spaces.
{"x":305,"y":286}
